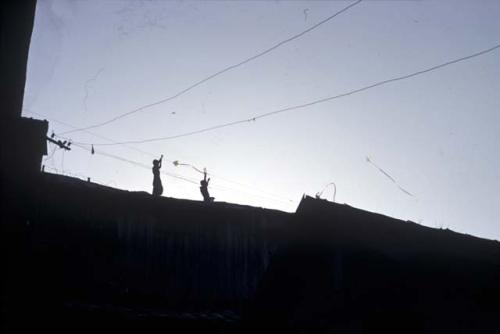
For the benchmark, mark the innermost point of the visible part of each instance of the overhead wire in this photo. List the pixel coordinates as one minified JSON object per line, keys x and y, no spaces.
{"x":50,"y":155}
{"x":302,"y":106}
{"x":138,"y":164}
{"x":183,"y":178}
{"x":150,"y":154}
{"x":28,"y":110}
{"x":269,"y":194}
{"x":98,"y":136}
{"x":216,"y":74}
{"x":190,"y":180}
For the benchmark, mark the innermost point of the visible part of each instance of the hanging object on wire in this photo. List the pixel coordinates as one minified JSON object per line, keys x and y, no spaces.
{"x":92,"y":150}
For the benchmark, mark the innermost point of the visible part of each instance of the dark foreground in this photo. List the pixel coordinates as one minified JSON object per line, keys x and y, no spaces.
{"x":83,"y":257}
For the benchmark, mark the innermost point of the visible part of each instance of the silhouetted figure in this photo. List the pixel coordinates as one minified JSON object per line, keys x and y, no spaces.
{"x":157,"y":186}
{"x":204,"y":188}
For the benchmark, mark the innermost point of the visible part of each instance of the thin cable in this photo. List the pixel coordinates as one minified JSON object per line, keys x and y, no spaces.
{"x":89,"y":132}
{"x":190,"y":180}
{"x":62,"y":161}
{"x":195,"y":182}
{"x":135,"y":163}
{"x":305,"y":105}
{"x":229,"y":68}
{"x":51,"y":155}
{"x":268,"y":194}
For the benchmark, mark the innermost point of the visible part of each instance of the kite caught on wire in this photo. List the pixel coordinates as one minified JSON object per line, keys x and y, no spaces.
{"x":389,"y":177}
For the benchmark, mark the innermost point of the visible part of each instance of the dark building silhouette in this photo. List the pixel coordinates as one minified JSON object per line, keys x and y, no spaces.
{"x":81,"y":257}
{"x":347,"y":270}
{"x":22,"y":140}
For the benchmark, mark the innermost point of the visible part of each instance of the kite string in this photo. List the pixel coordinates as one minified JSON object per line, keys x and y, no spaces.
{"x":389,"y":177}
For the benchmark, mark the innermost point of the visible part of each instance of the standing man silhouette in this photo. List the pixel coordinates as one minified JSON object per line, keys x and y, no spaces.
{"x":157,"y":186}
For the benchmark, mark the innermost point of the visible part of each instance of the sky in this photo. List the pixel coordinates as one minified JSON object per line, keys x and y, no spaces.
{"x":432,"y":140}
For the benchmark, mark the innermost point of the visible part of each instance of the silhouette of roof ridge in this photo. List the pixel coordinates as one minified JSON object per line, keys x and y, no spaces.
{"x":327,"y":222}
{"x":341,"y":224}
{"x":83,"y":184}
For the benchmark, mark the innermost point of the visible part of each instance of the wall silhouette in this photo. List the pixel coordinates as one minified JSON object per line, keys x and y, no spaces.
{"x":93,"y":252}
{"x":346,"y":270}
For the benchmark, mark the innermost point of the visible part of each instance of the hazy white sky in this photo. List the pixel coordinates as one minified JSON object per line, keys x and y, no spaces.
{"x":435,"y":134}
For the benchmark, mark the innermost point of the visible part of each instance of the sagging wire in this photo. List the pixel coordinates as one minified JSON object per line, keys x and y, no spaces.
{"x":62,"y":162}
{"x":183,"y":178}
{"x":132,"y":162}
{"x":86,"y":131}
{"x":51,"y":155}
{"x":176,"y":163}
{"x":304,"y":105}
{"x":263,"y":193}
{"x":222,"y":71}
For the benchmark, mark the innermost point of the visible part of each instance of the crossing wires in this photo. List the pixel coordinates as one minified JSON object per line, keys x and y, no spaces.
{"x":216,"y":74}
{"x":304,"y":105}
{"x":247,"y":189}
{"x":184,"y":178}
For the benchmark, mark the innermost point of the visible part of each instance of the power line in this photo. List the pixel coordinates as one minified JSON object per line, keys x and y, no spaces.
{"x":50,"y":156}
{"x":183,"y":178}
{"x":227,"y":69}
{"x":305,"y":105}
{"x":105,"y":138}
{"x":268,"y":194}
{"x":86,"y":131}
{"x":135,"y":163}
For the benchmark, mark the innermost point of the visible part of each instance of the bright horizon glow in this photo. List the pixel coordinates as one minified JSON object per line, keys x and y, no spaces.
{"x":436,"y":134}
